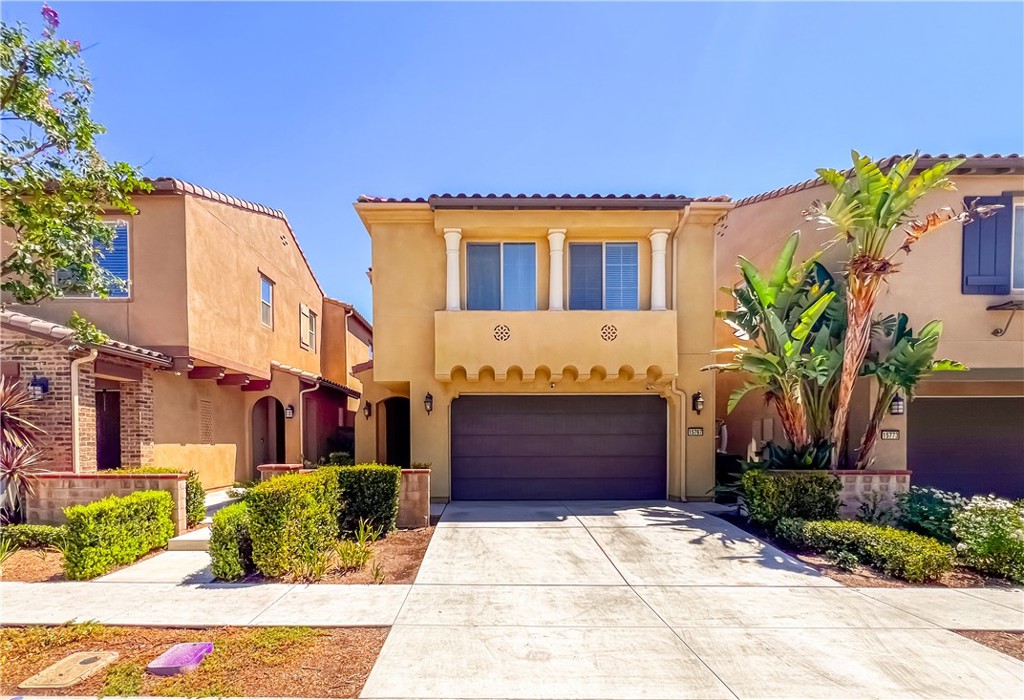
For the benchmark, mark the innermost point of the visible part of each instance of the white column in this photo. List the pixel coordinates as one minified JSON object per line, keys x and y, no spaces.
{"x":556,"y":239}
{"x":659,"y":238}
{"x":452,"y":237}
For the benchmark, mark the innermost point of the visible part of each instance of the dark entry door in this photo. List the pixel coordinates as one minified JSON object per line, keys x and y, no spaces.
{"x":558,"y":447}
{"x":108,"y":429}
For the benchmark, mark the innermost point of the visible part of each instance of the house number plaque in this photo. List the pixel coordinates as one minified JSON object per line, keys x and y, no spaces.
{"x":890,"y":435}
{"x":694,"y":432}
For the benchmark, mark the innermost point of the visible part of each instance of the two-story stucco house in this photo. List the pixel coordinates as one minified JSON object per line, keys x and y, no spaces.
{"x":219,"y":353}
{"x":964,"y":430}
{"x":543,"y":347}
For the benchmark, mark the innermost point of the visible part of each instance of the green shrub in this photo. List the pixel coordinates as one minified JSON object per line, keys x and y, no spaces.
{"x":991,"y":534}
{"x":230,"y":543}
{"x":369,"y":492}
{"x":771,"y":496}
{"x":26,"y":536}
{"x":115,"y":531}
{"x":195,"y":494}
{"x":929,"y":512}
{"x":290,"y":514}
{"x":905,"y":555}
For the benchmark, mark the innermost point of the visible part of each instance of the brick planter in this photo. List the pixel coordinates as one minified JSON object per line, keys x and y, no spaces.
{"x":269,"y":471}
{"x":55,"y":491}
{"x":858,"y":483}
{"x":414,"y":499}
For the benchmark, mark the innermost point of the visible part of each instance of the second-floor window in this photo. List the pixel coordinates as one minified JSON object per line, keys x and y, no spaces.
{"x":501,"y":276}
{"x":603,"y":276}
{"x":114,"y":262}
{"x":1017,"y":272}
{"x":307,"y":327}
{"x":266,"y":302}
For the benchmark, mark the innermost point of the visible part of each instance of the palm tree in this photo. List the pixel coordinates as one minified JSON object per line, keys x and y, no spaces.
{"x":868,"y":207}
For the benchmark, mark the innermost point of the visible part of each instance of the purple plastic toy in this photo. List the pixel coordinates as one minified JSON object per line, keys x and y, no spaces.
{"x":180,"y":658}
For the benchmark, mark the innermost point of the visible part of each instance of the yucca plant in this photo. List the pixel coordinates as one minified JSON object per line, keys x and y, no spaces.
{"x":19,"y":460}
{"x":16,"y":410}
{"x":907,"y":361}
{"x":868,"y":207}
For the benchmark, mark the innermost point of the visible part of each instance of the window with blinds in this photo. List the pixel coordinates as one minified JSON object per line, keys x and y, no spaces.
{"x":501,"y":276}
{"x":603,"y":276}
{"x":114,"y":262}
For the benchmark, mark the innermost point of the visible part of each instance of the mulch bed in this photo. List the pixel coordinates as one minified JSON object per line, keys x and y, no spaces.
{"x":1010,"y":643}
{"x":865,"y":576}
{"x":33,"y":566}
{"x":254,"y":662}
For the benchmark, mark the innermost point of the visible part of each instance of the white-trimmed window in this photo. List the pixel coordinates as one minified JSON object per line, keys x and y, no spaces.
{"x":604,"y":276}
{"x":266,"y":301}
{"x":1017,"y":257}
{"x":114,"y":262}
{"x":307,"y":327}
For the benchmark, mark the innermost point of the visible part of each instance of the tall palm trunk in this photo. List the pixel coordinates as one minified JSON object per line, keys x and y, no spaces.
{"x":794,"y":421}
{"x":867,"y":443}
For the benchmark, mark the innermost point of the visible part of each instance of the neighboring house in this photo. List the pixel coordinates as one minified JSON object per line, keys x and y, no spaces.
{"x":963,"y":431}
{"x":534,"y":347}
{"x":225,"y":353}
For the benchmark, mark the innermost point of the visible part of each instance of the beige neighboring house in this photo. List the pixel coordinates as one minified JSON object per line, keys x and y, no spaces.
{"x":963,"y":431}
{"x":225,"y":354}
{"x":533,"y":347}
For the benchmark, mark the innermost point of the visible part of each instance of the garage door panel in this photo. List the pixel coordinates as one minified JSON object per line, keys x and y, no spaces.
{"x":559,"y":447}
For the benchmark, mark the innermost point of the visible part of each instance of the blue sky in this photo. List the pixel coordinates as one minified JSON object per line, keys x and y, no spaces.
{"x":305,"y":106}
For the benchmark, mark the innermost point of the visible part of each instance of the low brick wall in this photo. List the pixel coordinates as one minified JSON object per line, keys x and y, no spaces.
{"x":53,"y":492}
{"x":269,"y":471}
{"x":859,"y":483}
{"x":414,"y":499}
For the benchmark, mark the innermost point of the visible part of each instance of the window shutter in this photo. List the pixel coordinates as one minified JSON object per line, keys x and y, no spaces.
{"x":988,"y":246}
{"x":483,"y":276}
{"x":585,"y":276}
{"x":115,"y":261}
{"x":303,"y":325}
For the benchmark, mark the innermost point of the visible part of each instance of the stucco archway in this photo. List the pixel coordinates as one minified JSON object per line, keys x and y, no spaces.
{"x":267,"y":432}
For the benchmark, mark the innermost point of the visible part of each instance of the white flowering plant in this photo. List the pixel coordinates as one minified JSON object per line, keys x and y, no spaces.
{"x":990,"y":531}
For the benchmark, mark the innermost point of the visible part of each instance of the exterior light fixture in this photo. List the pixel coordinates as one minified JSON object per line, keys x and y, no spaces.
{"x":38,"y":387}
{"x":898,"y":406}
{"x":697,"y":402}
{"x":428,"y":403}
{"x":289,"y":411}
{"x":367,"y":409}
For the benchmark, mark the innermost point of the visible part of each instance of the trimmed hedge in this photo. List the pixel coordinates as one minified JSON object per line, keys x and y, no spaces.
{"x":115,"y":531}
{"x":289,"y":515}
{"x":368,"y":492}
{"x":195,"y":494}
{"x":26,"y":536}
{"x":770,"y":496}
{"x":899,"y":553}
{"x":230,"y":543}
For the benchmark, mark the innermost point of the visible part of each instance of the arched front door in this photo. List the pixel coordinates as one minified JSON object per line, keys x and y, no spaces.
{"x":267,"y":432}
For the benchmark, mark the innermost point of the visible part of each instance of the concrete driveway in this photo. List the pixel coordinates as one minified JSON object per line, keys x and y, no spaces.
{"x":654,"y":600}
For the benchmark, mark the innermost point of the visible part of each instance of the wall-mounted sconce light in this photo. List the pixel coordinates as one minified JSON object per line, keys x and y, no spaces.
{"x":289,"y":411}
{"x":367,"y":409}
{"x":898,"y":406}
{"x":428,"y":403}
{"x":697,"y":402}
{"x":38,"y":387}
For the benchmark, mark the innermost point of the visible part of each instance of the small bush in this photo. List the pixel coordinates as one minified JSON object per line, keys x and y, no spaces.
{"x":115,"y":531}
{"x":230,"y":543}
{"x":929,"y":512}
{"x":340,"y":459}
{"x":290,"y":515}
{"x":771,"y":496}
{"x":369,"y":492}
{"x":352,"y":555}
{"x":43,"y":536}
{"x":195,"y":494}
{"x":902,"y":554}
{"x":991,"y":534}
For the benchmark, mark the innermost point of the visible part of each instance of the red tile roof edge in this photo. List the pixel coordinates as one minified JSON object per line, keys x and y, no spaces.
{"x":24,"y":323}
{"x":362,"y":367}
{"x":508,"y":197}
{"x":355,"y":312}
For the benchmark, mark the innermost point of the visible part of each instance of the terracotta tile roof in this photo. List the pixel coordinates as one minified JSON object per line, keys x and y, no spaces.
{"x":362,"y":367}
{"x":355,"y":312}
{"x":313,"y":377}
{"x":978,"y":163}
{"x":544,"y":201}
{"x":170,"y":185}
{"x":45,"y":329}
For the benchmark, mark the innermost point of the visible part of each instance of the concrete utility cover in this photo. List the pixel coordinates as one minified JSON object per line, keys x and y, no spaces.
{"x":71,"y":670}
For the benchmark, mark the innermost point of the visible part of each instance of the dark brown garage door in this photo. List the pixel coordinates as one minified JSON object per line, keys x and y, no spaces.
{"x":967,"y":445}
{"x":558,"y":447}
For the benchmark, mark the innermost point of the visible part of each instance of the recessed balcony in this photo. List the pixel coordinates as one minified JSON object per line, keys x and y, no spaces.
{"x":579,"y":345}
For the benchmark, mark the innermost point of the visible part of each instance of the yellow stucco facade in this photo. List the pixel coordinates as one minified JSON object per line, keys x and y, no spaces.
{"x":426,"y":342}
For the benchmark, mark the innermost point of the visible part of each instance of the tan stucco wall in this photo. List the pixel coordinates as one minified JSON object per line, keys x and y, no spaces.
{"x":926,"y":287}
{"x":411,"y":360}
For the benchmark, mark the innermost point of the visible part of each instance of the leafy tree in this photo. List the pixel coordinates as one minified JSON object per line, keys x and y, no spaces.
{"x":54,"y":184}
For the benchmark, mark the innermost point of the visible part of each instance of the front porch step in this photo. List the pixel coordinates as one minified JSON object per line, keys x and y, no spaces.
{"x":195,"y":541}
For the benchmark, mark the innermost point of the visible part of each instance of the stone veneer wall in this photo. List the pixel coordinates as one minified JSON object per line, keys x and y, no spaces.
{"x":51,"y":493}
{"x":414,"y":499}
{"x":859,"y":484}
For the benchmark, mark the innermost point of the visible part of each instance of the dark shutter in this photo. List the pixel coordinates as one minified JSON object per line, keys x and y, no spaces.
{"x":483,"y":276}
{"x":586,"y":282}
{"x":115,"y":261}
{"x":988,"y":247}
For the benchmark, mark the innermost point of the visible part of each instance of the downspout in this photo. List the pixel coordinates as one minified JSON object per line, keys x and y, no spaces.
{"x":674,"y":388}
{"x":76,"y":456}
{"x":302,"y":414}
